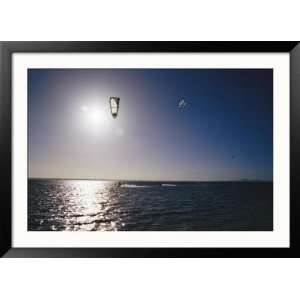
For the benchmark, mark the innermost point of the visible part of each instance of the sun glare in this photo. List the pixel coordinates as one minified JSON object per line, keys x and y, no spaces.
{"x":95,"y":117}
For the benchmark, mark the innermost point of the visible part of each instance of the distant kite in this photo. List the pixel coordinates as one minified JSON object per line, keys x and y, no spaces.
{"x":182,"y":103}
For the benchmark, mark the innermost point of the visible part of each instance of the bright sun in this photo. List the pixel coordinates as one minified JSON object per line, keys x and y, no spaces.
{"x":95,"y":116}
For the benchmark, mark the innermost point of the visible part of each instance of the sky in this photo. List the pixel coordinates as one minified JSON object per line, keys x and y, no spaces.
{"x":225,"y":132}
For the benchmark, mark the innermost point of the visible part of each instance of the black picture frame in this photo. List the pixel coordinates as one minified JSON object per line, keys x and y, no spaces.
{"x":6,"y":51}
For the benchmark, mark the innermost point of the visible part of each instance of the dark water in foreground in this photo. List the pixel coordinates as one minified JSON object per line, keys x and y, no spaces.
{"x":102,"y":205}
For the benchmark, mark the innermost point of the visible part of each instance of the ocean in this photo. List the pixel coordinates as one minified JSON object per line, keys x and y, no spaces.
{"x":94,"y":205}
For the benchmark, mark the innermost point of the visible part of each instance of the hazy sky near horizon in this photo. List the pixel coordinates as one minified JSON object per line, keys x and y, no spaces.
{"x":224,"y":133}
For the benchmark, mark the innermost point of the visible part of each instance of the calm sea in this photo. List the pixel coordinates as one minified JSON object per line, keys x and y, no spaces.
{"x":137,"y":206}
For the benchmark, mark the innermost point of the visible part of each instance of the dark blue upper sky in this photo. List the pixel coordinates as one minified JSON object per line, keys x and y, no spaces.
{"x":224,"y":133}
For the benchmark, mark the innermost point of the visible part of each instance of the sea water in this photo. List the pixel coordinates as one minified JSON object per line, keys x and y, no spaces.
{"x":87,"y":205}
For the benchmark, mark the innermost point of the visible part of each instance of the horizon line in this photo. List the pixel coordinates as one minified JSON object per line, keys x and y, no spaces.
{"x":151,"y":180}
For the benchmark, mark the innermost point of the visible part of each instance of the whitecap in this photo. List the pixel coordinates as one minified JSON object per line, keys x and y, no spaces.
{"x":134,"y":186}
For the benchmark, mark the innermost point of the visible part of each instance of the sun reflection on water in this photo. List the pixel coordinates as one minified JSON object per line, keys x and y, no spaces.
{"x":88,"y":205}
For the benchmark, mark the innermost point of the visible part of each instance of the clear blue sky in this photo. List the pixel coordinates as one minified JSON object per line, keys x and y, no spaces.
{"x":224,"y":133}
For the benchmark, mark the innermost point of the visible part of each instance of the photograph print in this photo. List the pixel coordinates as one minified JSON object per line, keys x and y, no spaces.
{"x":150,"y":149}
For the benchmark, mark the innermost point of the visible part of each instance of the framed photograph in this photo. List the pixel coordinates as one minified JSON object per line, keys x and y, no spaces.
{"x":149,"y":149}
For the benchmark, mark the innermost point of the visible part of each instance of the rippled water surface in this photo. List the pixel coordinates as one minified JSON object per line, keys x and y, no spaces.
{"x":108,"y":206}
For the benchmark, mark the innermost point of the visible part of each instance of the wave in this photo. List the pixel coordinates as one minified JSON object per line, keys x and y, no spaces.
{"x":168,"y":184}
{"x":134,"y":186}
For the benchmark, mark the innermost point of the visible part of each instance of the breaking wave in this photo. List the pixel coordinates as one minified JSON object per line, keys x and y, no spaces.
{"x":134,"y":186}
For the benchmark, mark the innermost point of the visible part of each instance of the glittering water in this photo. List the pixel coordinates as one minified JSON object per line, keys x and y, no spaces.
{"x":136,"y":206}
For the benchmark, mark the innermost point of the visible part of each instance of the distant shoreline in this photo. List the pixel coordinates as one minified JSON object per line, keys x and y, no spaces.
{"x":159,"y":181}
